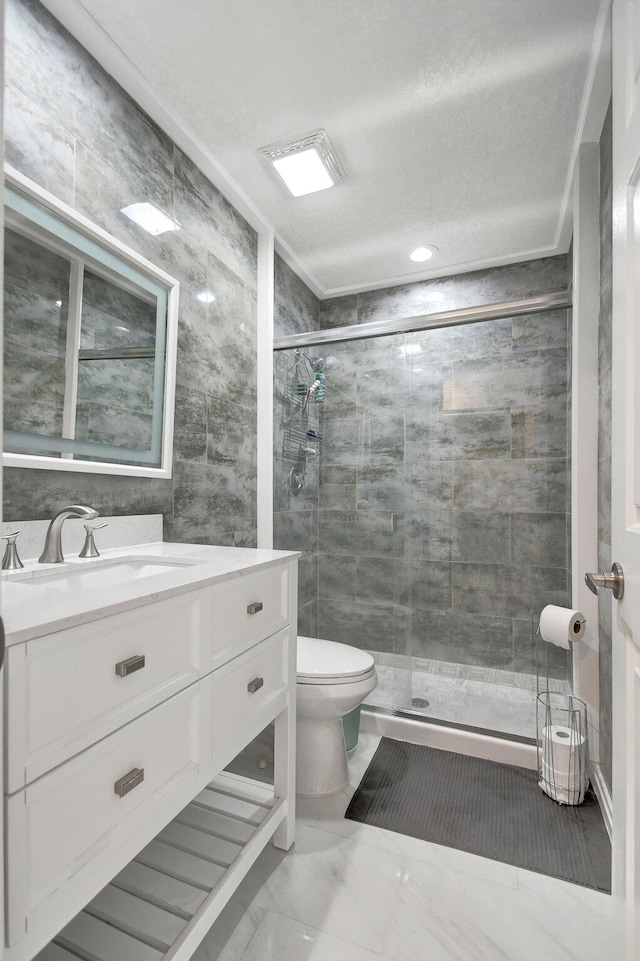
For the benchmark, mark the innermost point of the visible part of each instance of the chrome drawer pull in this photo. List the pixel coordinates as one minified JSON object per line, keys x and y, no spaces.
{"x":255,"y":685}
{"x":255,"y":608}
{"x":130,"y":665}
{"x":127,"y":783}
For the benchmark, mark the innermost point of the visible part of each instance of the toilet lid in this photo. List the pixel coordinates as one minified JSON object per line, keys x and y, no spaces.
{"x":318,"y":658}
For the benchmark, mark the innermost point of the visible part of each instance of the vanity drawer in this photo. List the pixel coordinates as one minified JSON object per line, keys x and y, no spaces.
{"x":59,"y":824}
{"x":249,"y":608}
{"x":69,"y":689}
{"x":247,"y":685}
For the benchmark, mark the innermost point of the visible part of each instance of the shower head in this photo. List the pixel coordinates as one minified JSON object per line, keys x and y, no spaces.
{"x":317,"y":364}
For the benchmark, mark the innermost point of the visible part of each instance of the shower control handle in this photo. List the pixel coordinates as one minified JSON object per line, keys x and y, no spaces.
{"x":611,"y":582}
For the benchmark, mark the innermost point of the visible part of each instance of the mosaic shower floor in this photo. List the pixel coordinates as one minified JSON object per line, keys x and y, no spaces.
{"x":501,"y":701}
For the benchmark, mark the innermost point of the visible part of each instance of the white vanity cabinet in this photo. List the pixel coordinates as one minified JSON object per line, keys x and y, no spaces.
{"x":125,"y":837}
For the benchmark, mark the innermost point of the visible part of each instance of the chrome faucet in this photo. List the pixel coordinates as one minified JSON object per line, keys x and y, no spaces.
{"x":52,"y":553}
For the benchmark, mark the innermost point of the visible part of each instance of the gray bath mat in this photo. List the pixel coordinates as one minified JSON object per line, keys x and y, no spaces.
{"x":494,"y":810}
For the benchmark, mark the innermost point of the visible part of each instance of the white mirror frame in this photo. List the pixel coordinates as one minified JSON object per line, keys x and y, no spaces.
{"x":13,"y":178}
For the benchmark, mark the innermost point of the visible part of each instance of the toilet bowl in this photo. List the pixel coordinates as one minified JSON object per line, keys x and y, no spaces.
{"x":333,"y":679}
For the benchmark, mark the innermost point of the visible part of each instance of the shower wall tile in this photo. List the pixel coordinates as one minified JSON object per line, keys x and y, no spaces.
{"x":484,"y":640}
{"x":544,"y":331}
{"x":531,"y":654}
{"x":445,"y":435}
{"x":339,"y":311}
{"x":338,"y":490}
{"x":308,"y":579}
{"x":495,"y":285}
{"x":431,"y":483}
{"x":296,"y":531}
{"x":518,"y":485}
{"x":481,"y":537}
{"x":370,"y":533}
{"x":508,"y":591}
{"x":383,"y":488}
{"x":72,"y":129}
{"x":539,"y":539}
{"x":540,"y":430}
{"x":337,"y":575}
{"x":369,"y":625}
{"x":296,"y":308}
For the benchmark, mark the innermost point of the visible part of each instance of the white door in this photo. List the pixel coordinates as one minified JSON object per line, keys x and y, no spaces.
{"x":626,"y":464}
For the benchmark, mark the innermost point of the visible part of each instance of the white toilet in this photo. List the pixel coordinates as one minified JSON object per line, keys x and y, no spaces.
{"x":333,"y":679}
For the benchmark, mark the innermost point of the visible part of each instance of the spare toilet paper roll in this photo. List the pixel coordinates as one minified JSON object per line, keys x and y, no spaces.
{"x":561,"y":750}
{"x":560,"y":626}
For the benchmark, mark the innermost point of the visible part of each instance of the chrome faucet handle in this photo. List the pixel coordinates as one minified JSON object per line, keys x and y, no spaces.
{"x":11,"y":561}
{"x":90,"y":549}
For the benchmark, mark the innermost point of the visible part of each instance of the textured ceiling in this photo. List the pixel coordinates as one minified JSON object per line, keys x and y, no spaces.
{"x":455,"y":122}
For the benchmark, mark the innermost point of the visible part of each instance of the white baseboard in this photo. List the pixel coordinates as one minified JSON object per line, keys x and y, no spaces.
{"x":605,"y":800}
{"x":450,"y":739}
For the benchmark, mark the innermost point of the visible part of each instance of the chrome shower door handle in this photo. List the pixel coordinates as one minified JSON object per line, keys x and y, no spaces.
{"x":611,"y":582}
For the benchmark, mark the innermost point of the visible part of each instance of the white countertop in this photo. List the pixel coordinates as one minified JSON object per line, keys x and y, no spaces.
{"x":31,"y":610}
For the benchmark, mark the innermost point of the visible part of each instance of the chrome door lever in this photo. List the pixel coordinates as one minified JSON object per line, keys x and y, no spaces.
{"x":611,"y":582}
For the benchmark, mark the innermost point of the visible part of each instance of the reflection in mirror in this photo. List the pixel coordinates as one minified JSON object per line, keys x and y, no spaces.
{"x":89,"y":344}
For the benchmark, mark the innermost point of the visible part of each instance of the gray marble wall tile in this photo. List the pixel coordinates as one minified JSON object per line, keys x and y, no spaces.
{"x":339,"y":311}
{"x":53,"y":166}
{"x":380,"y":627}
{"x":308,"y":579}
{"x":505,"y":590}
{"x":544,"y":331}
{"x":531,"y":655}
{"x":73,"y":130}
{"x":539,"y":539}
{"x":208,"y":216}
{"x":338,"y":489}
{"x":453,"y":435}
{"x":308,"y":620}
{"x":51,"y":68}
{"x":296,"y":308}
{"x":369,"y":533}
{"x":383,"y":487}
{"x":482,"y":639}
{"x":540,"y":430}
{"x":519,"y":485}
{"x":431,"y":484}
{"x":495,"y":285}
{"x":295,"y":531}
{"x":35,"y":494}
{"x":337,"y":575}
{"x":481,"y":537}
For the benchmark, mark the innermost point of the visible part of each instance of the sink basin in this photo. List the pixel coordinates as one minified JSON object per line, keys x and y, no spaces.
{"x":102,"y":574}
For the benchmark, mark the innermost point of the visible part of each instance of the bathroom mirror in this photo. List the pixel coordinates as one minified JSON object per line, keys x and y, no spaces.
{"x":89,"y":344}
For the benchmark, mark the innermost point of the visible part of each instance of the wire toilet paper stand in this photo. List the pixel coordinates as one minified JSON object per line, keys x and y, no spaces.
{"x":561,"y":734}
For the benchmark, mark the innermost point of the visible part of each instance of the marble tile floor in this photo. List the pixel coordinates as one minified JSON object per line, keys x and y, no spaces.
{"x":352,"y":892}
{"x":486,"y":698}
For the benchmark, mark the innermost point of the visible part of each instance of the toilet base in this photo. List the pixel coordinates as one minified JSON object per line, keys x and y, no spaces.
{"x":321,"y":762}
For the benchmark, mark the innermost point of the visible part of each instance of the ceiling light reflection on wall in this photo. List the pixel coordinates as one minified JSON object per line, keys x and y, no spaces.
{"x":206,"y":297}
{"x":435,"y":297}
{"x":420,"y":254}
{"x":150,"y":218}
{"x":411,"y":349}
{"x":304,"y":165}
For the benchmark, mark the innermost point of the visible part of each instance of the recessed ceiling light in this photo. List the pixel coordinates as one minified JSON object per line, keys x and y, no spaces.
{"x":304,"y":165}
{"x":150,"y":218}
{"x":420,"y":254}
{"x":206,"y":297}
